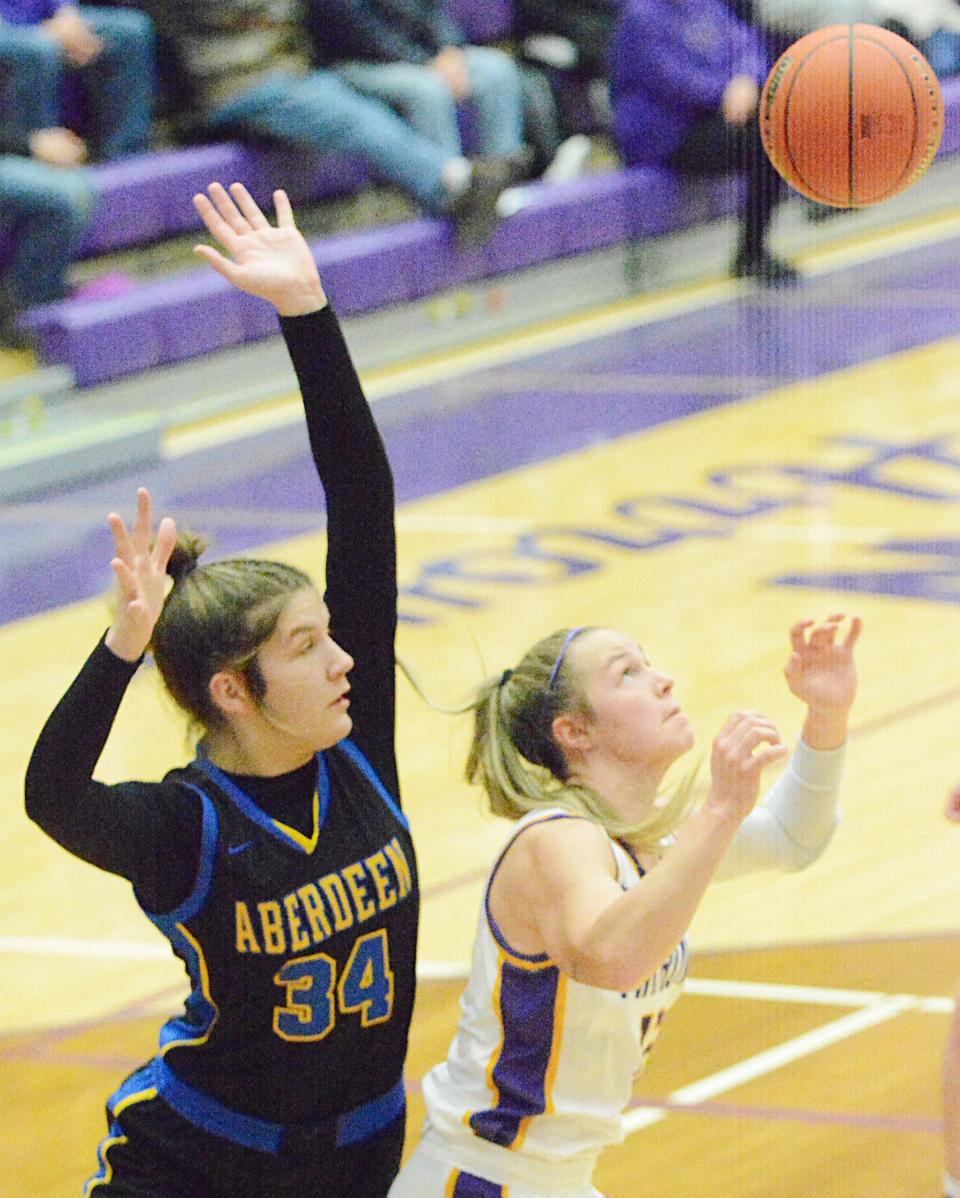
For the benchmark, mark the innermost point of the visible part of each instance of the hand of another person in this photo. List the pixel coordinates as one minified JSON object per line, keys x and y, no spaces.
{"x":952,"y":810}
{"x":274,"y":263}
{"x":75,"y":36}
{"x":451,"y":65}
{"x":141,"y":570}
{"x":58,"y":147}
{"x":737,"y":760}
{"x":740,"y":100}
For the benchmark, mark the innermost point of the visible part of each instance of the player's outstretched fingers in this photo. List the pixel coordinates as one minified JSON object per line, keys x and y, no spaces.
{"x":227,"y":208}
{"x":248,"y":206}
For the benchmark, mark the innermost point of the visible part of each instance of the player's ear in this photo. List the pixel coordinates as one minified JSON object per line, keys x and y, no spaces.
{"x":230,"y":692}
{"x":572,"y":734}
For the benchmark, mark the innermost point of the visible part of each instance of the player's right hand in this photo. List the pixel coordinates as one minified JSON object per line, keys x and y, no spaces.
{"x":140,"y":567}
{"x":746,"y":744}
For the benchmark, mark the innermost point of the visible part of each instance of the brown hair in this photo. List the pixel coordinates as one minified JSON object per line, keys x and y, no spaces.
{"x":216,"y":617}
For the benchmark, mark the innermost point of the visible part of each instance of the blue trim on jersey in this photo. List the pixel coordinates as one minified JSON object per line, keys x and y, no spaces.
{"x":211,"y":1116}
{"x":205,"y":1112}
{"x":356,"y":756}
{"x":136,"y":1083}
{"x":249,"y":808}
{"x":365,"y":1121}
{"x":194,"y":902}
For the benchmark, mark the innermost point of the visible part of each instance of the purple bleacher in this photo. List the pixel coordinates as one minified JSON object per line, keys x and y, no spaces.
{"x":98,"y":339}
{"x":482,"y":20}
{"x":197,"y":311}
{"x":148,"y":197}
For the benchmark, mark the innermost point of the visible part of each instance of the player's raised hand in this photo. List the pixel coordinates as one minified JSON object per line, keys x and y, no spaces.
{"x":273,"y":262}
{"x":140,"y":567}
{"x":746,"y":744}
{"x":821,"y":670}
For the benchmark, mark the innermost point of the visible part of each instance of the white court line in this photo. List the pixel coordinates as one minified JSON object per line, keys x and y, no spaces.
{"x":772,"y":1059}
{"x":54,"y":946}
{"x":452,"y":971}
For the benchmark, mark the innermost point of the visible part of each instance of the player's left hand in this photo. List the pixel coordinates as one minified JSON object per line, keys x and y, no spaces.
{"x":272,"y":262}
{"x":952,"y":809}
{"x":821,"y":670}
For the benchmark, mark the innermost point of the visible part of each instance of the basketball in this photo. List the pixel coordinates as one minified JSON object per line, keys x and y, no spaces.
{"x":851,"y":115}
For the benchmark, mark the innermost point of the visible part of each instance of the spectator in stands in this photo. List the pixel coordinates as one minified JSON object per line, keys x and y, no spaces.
{"x":245,"y":65}
{"x":914,"y":19}
{"x":45,"y":207}
{"x":411,"y":55}
{"x":685,"y":87}
{"x":571,"y":39}
{"x":932,"y":25}
{"x":109,"y":52}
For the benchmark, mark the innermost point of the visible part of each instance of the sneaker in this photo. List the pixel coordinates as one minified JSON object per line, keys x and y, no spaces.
{"x":765,"y":268}
{"x":570,"y":159}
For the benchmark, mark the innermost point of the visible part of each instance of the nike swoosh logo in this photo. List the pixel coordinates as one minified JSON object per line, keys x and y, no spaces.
{"x":238,"y":848}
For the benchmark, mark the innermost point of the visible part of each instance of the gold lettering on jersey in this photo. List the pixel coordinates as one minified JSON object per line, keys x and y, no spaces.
{"x":316,"y":916}
{"x":400,"y":865}
{"x":246,"y":937}
{"x":298,"y":937}
{"x":271,"y":921}
{"x":336,"y":893}
{"x":377,"y":866}
{"x":318,"y":910}
{"x":354,"y":877}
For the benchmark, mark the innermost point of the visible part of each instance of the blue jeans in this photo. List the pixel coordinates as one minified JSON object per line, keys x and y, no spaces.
{"x":117,"y":87}
{"x":422,"y":98}
{"x":319,"y":111}
{"x":46,"y":211}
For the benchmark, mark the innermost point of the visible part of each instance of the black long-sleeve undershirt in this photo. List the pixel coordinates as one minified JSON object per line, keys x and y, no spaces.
{"x":149,"y":832}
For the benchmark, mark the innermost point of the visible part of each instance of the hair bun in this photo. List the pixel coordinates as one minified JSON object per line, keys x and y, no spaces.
{"x":186,"y":553}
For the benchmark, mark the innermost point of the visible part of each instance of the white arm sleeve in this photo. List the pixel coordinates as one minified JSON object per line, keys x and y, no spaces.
{"x":795,"y":821}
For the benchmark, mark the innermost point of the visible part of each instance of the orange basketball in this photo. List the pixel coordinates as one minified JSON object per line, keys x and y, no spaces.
{"x":851,"y":115}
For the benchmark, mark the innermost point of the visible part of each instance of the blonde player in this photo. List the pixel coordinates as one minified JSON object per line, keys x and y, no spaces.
{"x":580,"y":946}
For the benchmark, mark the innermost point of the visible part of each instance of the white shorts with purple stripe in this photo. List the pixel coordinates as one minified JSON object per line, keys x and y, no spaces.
{"x":468,"y":1167}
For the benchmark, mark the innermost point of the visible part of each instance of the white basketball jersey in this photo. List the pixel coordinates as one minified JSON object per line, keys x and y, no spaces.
{"x":541,"y":1063}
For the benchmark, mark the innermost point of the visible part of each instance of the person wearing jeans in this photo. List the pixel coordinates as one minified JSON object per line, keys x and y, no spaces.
{"x":412,"y":56}
{"x":248,"y":74}
{"x":46,"y":205}
{"x":109,"y":52}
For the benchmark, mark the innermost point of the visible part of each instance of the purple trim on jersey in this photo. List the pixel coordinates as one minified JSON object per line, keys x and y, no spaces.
{"x":527,"y":1010}
{"x":469,"y":1186}
{"x":494,"y":928}
{"x":633,"y":857}
{"x":249,"y":808}
{"x":357,"y":757}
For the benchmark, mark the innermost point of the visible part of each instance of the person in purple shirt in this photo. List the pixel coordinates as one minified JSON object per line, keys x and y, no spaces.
{"x":106,"y":56}
{"x":685,"y":88}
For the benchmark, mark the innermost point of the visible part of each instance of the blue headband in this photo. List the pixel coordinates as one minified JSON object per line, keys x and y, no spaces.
{"x":575,"y":632}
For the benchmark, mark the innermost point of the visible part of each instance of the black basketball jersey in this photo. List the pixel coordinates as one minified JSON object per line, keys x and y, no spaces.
{"x":300,"y":947}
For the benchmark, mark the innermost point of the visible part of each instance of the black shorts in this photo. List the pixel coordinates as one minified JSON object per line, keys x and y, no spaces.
{"x":153,"y":1152}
